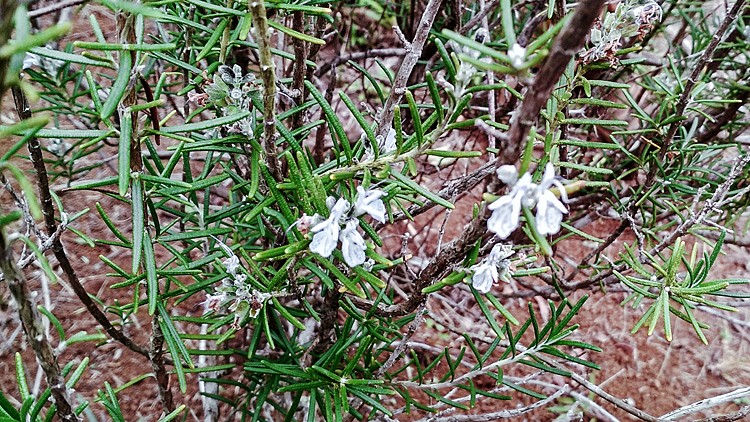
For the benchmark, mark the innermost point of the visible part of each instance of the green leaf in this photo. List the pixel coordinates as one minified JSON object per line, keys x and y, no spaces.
{"x":69,"y":57}
{"x":123,"y":153}
{"x":152,"y":281}
{"x":207,"y":124}
{"x":118,"y":89}
{"x":332,"y":119}
{"x":412,"y":185}
{"x":139,"y":224}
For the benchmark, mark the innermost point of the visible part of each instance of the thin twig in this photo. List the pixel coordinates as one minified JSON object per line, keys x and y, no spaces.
{"x":503,"y":414}
{"x":568,"y":43}
{"x":413,"y":53}
{"x":52,"y":8}
{"x":740,"y":414}
{"x":599,"y":391}
{"x":31,"y":320}
{"x":48,"y":210}
{"x":418,"y":318}
{"x":268,"y":74}
{"x":702,"y":405}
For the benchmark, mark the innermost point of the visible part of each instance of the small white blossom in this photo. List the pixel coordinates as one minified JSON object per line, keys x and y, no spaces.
{"x":326,"y":234}
{"x":353,"y":244}
{"x":549,"y":209}
{"x":213,"y":302}
{"x":386,"y":145}
{"x":486,"y":273}
{"x":369,"y":202}
{"x":232,"y":264}
{"x":517,"y":54}
{"x":506,"y":210}
{"x":507,"y":174}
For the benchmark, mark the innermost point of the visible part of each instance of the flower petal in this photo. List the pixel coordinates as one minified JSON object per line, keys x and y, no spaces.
{"x":485,"y":275}
{"x":549,"y":213}
{"x":353,"y":244}
{"x":325,"y":238}
{"x":505,"y":215}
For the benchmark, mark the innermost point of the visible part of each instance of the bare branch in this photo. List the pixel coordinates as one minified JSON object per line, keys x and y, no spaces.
{"x":33,"y":327}
{"x":702,"y":405}
{"x":568,"y":43}
{"x":413,"y":52}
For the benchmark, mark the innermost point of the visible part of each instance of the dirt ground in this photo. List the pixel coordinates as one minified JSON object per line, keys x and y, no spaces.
{"x":654,"y":375}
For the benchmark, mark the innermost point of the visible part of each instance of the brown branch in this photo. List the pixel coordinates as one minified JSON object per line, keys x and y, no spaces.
{"x":299,"y":68}
{"x":31,"y":320}
{"x":156,"y":356}
{"x":413,"y":53}
{"x":568,"y":43}
{"x":52,"y":8}
{"x":260,"y":32}
{"x":48,"y":210}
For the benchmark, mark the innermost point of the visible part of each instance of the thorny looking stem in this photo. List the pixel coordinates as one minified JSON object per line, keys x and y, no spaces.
{"x":34,"y":329}
{"x":413,"y":53}
{"x":261,"y":34}
{"x":568,"y":43}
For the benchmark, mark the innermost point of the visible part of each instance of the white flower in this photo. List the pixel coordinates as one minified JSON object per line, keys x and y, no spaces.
{"x":507,"y":174}
{"x":549,"y":209}
{"x":232,"y":264}
{"x":485,"y":275}
{"x":506,"y":210}
{"x":388,"y":144}
{"x":352,"y":244}
{"x":327,"y":233}
{"x":517,"y":54}
{"x":213,"y":302}
{"x":369,"y":202}
{"x":256,"y":301}
{"x":500,"y":252}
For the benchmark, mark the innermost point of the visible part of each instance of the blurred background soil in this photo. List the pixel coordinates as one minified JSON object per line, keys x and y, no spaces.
{"x":654,"y":375}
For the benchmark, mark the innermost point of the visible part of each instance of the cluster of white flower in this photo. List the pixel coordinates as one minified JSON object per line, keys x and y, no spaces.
{"x":233,"y":92}
{"x":466,"y":71}
{"x":506,"y":210}
{"x":630,"y":19}
{"x":492,"y":268}
{"x":327,"y":232}
{"x":235,"y":292}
